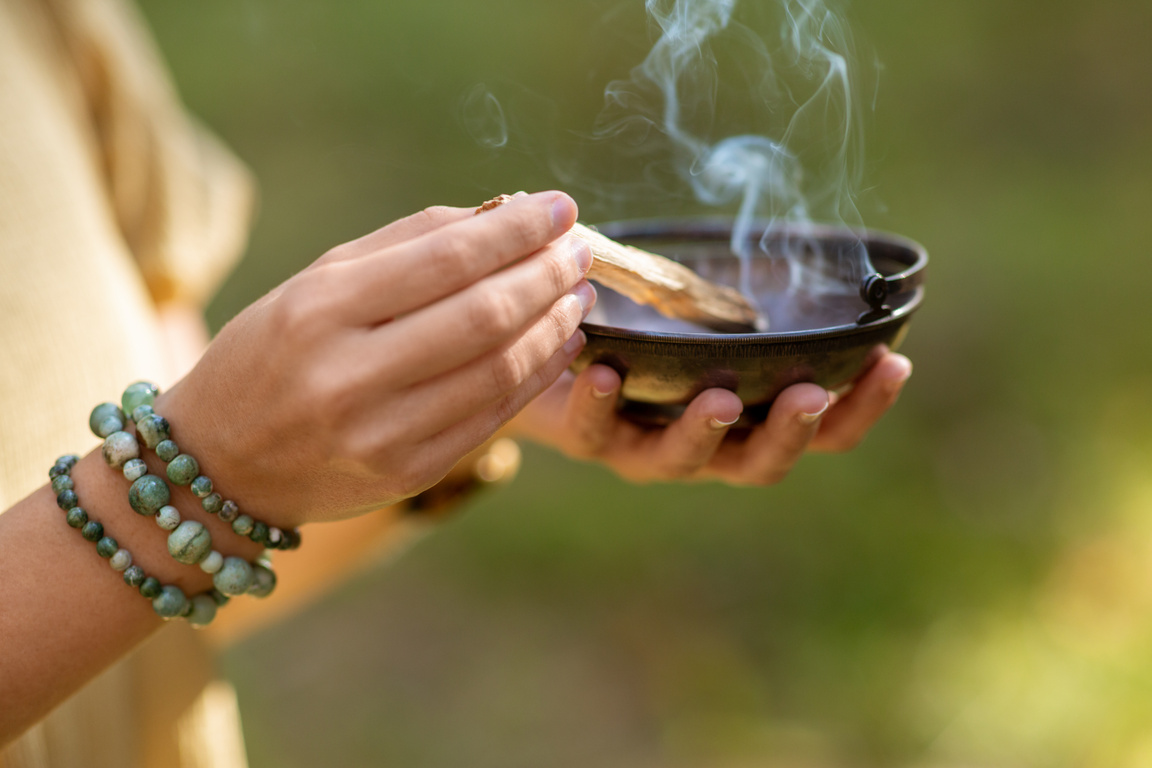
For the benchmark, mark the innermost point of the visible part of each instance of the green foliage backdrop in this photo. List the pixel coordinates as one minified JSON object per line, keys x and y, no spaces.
{"x":971,"y":587}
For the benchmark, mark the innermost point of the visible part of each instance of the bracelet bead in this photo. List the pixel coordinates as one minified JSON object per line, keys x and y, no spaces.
{"x":212,"y":503}
{"x":263,"y":581}
{"x":203,"y":611}
{"x":140,"y":393}
{"x":134,"y":576}
{"x":118,"y":448}
{"x":170,"y":602}
{"x":106,"y":547}
{"x":183,"y":469}
{"x":105,"y":419}
{"x":134,"y":469}
{"x":62,"y":483}
{"x":167,"y":450}
{"x":67,"y":499}
{"x":220,"y":598}
{"x":229,"y":511}
{"x":234,"y":577}
{"x":121,"y":560}
{"x":77,"y":517}
{"x":92,"y":531}
{"x":213,"y":563}
{"x":153,"y":430}
{"x":168,"y":518}
{"x":140,"y":412}
{"x":190,"y":542}
{"x":259,"y":532}
{"x":201,"y":487}
{"x":243,"y":525}
{"x":150,"y":587}
{"x":148,"y":494}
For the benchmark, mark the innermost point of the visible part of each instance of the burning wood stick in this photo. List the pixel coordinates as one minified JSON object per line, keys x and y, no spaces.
{"x":672,"y":289}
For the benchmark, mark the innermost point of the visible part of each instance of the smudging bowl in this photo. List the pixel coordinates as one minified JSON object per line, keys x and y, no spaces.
{"x":831,"y":315}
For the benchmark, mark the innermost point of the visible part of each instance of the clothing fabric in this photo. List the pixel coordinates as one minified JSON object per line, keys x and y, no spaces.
{"x":113,"y":200}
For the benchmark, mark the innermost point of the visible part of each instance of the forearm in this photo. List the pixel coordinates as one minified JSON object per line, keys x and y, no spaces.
{"x":65,"y":614}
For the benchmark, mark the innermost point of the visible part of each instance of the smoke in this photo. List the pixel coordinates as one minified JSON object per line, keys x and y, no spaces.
{"x":806,"y":166}
{"x":483,"y":118}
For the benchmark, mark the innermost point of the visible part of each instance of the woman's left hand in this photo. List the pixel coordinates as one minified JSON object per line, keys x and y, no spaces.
{"x":578,"y":415}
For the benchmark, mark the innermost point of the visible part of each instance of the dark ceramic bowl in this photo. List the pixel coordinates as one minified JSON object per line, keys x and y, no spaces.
{"x":828,"y":322}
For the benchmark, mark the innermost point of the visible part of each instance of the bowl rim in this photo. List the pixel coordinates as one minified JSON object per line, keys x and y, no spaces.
{"x":912,"y":276}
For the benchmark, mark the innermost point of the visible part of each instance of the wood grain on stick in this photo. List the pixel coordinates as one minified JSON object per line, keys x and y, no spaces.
{"x":671,"y":288}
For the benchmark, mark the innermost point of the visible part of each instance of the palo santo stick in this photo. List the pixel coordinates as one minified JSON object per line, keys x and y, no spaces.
{"x":672,"y":289}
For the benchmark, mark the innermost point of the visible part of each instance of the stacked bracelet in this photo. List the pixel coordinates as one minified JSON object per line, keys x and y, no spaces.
{"x":182,"y":468}
{"x":169,"y":601}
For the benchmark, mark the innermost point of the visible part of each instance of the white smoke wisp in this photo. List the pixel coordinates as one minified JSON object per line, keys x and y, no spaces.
{"x":807,"y":167}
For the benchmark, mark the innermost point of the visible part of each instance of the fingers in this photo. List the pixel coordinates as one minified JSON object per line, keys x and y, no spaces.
{"x":849,"y":420}
{"x":468,"y":324}
{"x":775,"y":446}
{"x":417,"y":224}
{"x":689,"y":443}
{"x":590,"y":418}
{"x":459,"y":394}
{"x":461,"y":438}
{"x":441,"y":262}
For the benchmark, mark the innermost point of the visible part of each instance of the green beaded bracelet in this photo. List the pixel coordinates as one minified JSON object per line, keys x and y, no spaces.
{"x":182,"y":468}
{"x":168,"y":601}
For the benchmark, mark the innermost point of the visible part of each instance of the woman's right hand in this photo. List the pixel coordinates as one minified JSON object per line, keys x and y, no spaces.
{"x":362,"y":380}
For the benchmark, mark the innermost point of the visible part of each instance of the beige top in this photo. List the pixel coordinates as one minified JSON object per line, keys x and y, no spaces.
{"x":112,"y":200}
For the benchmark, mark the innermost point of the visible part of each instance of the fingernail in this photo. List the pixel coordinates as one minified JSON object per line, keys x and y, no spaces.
{"x":717,"y":424}
{"x":576,"y":343}
{"x":586,"y":295}
{"x":582,"y":254}
{"x":519,"y":194}
{"x":602,"y":395}
{"x":808,"y":419}
{"x":562,"y":212}
{"x":894,"y":384}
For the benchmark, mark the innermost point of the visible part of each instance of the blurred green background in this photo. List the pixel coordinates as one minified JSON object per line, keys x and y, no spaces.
{"x":971,"y":587}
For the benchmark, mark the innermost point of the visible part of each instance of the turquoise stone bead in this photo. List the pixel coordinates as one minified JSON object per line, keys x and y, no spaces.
{"x":230,"y":511}
{"x":212,"y":503}
{"x":275,"y":538}
{"x":153,"y":430}
{"x":259,"y":532}
{"x":212,"y":563}
{"x":167,"y":450}
{"x":141,"y":411}
{"x":190,"y":542}
{"x":234,"y":577}
{"x":63,"y":483}
{"x":219,"y":597}
{"x":77,"y":517}
{"x":119,"y":448}
{"x":183,"y":469}
{"x":263,"y":581}
{"x":134,"y":469}
{"x":203,"y":611}
{"x":103,"y":416}
{"x":121,"y":560}
{"x":168,"y":518}
{"x":243,"y":525}
{"x":134,"y":576}
{"x":170,"y":603}
{"x":148,"y":494}
{"x":140,"y":393}
{"x":67,"y":499}
{"x":150,"y":587}
{"x":92,"y":531}
{"x":201,"y":486}
{"x":107,"y":547}
{"x":68,"y":461}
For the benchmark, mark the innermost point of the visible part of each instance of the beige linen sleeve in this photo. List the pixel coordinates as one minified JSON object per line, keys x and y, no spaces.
{"x":182,"y":201}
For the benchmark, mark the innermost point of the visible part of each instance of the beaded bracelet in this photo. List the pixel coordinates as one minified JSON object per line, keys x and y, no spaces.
{"x":168,"y":600}
{"x":183,"y":469}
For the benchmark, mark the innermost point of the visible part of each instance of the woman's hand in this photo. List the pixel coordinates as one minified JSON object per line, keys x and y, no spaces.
{"x":362,"y":380}
{"x":578,"y":416}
